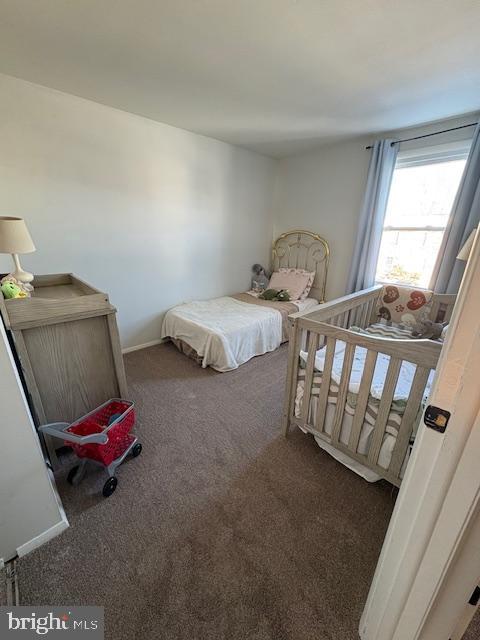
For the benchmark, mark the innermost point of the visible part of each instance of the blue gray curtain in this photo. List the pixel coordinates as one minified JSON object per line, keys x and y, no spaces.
{"x":372,"y":216}
{"x":465,"y":216}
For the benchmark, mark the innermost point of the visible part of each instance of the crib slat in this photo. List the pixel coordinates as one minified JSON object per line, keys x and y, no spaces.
{"x":384,"y":409}
{"x":365,"y":315}
{"x":307,"y":390}
{"x":352,"y":317}
{"x":292,"y":375}
{"x":362,"y":399}
{"x":415,"y":398}
{"x":342,"y":392}
{"x":370,"y":313}
{"x":360,"y":315}
{"x":325,"y":386}
{"x":435,"y":309}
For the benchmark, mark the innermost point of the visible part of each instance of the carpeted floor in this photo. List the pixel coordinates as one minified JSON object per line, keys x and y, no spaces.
{"x":221,"y":528}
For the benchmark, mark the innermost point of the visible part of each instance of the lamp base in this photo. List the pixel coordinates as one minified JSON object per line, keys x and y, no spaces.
{"x":19,"y":274}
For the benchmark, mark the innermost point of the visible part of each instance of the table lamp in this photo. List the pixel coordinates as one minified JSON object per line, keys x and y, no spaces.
{"x":15,"y":239}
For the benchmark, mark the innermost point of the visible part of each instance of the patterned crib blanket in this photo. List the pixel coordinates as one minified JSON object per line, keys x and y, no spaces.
{"x":404,"y":383}
{"x":394,"y":418}
{"x":402,"y":389}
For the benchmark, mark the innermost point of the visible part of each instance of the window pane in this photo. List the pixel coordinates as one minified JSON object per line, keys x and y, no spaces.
{"x":408,"y":256}
{"x":423,"y":196}
{"x":420,"y":196}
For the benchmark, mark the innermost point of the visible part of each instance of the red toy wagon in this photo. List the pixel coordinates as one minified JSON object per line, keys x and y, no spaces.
{"x":101,"y":436}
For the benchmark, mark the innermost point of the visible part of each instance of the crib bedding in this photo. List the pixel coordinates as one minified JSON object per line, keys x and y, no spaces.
{"x":405,"y":378}
{"x":228,"y":331}
{"x":400,"y":399}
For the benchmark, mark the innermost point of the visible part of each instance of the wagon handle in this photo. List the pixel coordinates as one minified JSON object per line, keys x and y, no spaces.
{"x":57,"y":429}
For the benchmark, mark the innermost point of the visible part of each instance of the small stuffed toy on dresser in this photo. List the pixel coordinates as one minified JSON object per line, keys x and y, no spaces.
{"x":12,"y":288}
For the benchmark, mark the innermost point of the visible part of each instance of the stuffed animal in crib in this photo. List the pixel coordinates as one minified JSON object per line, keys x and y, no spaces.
{"x":428,"y":329}
{"x":11,"y":290}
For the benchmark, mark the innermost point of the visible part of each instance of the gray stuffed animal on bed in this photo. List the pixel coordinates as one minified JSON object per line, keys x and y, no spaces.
{"x":260,"y":279}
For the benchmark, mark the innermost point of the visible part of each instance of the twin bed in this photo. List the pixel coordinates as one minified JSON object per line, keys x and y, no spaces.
{"x":226,"y":332}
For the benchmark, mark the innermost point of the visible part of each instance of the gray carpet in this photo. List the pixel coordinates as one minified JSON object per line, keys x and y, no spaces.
{"x":221,"y":528}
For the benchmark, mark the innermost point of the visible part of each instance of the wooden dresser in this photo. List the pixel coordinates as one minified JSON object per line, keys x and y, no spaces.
{"x":66,"y":339}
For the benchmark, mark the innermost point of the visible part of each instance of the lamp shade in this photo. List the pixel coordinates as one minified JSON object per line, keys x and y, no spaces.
{"x":467,"y":247}
{"x":14,"y":236}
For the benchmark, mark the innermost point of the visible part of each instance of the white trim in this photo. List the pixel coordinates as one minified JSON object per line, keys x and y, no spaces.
{"x":433,"y":153}
{"x":43,"y":537}
{"x":145,"y":345}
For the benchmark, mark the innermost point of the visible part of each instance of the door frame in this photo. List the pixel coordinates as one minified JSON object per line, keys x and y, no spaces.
{"x":439,"y":500}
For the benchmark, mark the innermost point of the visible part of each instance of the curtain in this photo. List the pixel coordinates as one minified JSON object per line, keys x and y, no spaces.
{"x":372,"y":215}
{"x":465,"y":216}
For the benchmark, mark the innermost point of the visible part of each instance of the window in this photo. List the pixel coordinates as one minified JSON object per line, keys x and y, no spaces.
{"x":424,"y":186}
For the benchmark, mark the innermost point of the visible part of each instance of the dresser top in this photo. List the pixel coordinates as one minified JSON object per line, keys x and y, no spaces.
{"x":56,"y":298}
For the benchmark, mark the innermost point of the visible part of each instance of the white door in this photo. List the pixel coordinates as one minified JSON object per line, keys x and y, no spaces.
{"x":427,"y":569}
{"x":30,"y":510}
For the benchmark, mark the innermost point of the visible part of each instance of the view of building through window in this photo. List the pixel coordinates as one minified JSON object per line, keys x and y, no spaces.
{"x":419,"y":206}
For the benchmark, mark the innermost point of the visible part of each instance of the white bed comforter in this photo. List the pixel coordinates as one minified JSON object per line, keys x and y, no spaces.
{"x":222,"y":332}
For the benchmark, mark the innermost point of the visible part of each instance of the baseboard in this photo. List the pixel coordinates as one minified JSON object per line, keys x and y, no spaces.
{"x":42,"y":538}
{"x":137,"y":347}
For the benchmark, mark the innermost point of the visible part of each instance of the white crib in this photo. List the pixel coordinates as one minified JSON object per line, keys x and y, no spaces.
{"x":370,"y":422}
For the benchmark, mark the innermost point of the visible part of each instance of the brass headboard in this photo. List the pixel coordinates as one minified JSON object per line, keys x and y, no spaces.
{"x":304,"y":250}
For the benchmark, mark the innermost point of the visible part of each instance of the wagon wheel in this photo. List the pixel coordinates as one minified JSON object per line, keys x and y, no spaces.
{"x":74,"y":477}
{"x":136,"y":449}
{"x":109,"y":487}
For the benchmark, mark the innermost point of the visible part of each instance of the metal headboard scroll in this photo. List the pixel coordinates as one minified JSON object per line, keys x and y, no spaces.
{"x":304,"y":250}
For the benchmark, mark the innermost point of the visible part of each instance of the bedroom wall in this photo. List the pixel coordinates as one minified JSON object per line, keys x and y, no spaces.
{"x":149,"y":213}
{"x":322,"y":190}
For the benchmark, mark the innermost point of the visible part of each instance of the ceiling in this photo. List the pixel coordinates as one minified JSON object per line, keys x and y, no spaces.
{"x":276,"y":76}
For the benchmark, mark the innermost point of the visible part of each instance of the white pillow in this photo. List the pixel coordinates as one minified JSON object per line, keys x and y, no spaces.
{"x":311,"y":278}
{"x":294,"y":283}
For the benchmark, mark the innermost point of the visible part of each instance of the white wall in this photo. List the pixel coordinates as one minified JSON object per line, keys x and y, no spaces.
{"x":322,"y":191}
{"x":155,"y":215}
{"x":30,"y":511}
{"x":149,"y":213}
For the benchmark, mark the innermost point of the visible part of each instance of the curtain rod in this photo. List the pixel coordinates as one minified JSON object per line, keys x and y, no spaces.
{"x":427,"y":135}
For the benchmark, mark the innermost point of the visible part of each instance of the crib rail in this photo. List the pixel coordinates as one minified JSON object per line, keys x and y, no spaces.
{"x":355,"y":309}
{"x":315,"y":330}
